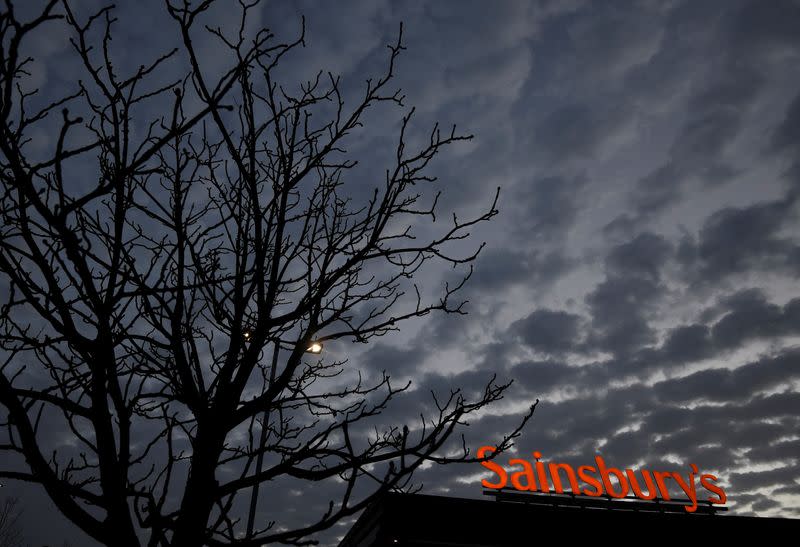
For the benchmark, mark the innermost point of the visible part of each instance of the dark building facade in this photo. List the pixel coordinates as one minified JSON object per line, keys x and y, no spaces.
{"x":515,"y":519}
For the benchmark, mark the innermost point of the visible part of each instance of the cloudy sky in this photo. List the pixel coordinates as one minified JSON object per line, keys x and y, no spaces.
{"x":641,"y":277}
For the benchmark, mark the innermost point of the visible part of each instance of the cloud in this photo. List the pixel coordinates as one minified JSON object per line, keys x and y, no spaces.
{"x":619,"y":306}
{"x":549,"y":331}
{"x":645,"y":255}
{"x":499,"y":269}
{"x":737,"y":240}
{"x":779,"y":451}
{"x":722,"y":384}
{"x":759,"y":479}
{"x":687,"y":343}
{"x":786,"y":137}
{"x":751,"y":316}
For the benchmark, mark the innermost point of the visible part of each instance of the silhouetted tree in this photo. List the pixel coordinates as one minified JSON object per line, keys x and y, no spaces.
{"x":168,"y":256}
{"x":10,"y":529}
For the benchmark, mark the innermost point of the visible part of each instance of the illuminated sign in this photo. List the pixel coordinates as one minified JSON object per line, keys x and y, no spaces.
{"x":533,"y":477}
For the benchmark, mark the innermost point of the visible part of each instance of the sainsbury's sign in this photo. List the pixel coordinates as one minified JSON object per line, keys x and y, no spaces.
{"x":533,"y":477}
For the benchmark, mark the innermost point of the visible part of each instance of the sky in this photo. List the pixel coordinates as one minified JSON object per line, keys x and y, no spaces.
{"x":640,"y":280}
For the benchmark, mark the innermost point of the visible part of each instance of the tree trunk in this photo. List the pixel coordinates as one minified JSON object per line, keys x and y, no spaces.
{"x":198,"y":499}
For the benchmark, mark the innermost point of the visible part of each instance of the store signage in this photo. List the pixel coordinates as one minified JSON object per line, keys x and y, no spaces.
{"x":528,"y":476}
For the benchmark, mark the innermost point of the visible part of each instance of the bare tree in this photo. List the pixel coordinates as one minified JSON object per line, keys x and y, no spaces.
{"x":10,"y":529}
{"x":170,"y":255}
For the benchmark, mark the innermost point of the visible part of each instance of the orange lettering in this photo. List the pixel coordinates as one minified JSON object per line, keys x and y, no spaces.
{"x":591,"y":481}
{"x":491,"y":466}
{"x":527,"y":472}
{"x":573,"y":482}
{"x":604,"y":476}
{"x":648,"y":480}
{"x":689,"y":488}
{"x":660,"y":476}
{"x":721,"y":497}
{"x":531,"y":476}
{"x":545,"y":486}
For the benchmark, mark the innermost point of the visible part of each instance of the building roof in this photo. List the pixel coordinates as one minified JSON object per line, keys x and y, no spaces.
{"x":397,"y":520}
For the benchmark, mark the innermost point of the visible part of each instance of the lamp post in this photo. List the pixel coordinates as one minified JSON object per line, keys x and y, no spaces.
{"x":316,"y":348}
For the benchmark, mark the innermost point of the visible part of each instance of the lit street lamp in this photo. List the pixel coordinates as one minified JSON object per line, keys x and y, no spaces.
{"x":316,"y":348}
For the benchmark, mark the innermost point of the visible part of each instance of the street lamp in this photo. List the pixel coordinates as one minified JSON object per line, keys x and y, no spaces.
{"x":314,"y":347}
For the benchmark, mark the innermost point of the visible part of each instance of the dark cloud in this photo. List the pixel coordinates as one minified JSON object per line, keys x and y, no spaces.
{"x":751,"y":316}
{"x":779,"y":451}
{"x":763,"y":479}
{"x":765,"y":32}
{"x":549,"y":331}
{"x":737,"y":240}
{"x":544,"y":376}
{"x":622,"y":227}
{"x":786,"y":137}
{"x":657,"y":190}
{"x":499,"y":269}
{"x":743,"y":41}
{"x":644,"y":255}
{"x":549,"y":207}
{"x":397,"y":362}
{"x":792,"y":489}
{"x":687,"y":343}
{"x":716,"y":113}
{"x":568,"y":131}
{"x":765,"y":504}
{"x":618,"y":306}
{"x":722,"y":384}
{"x":781,"y":405}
